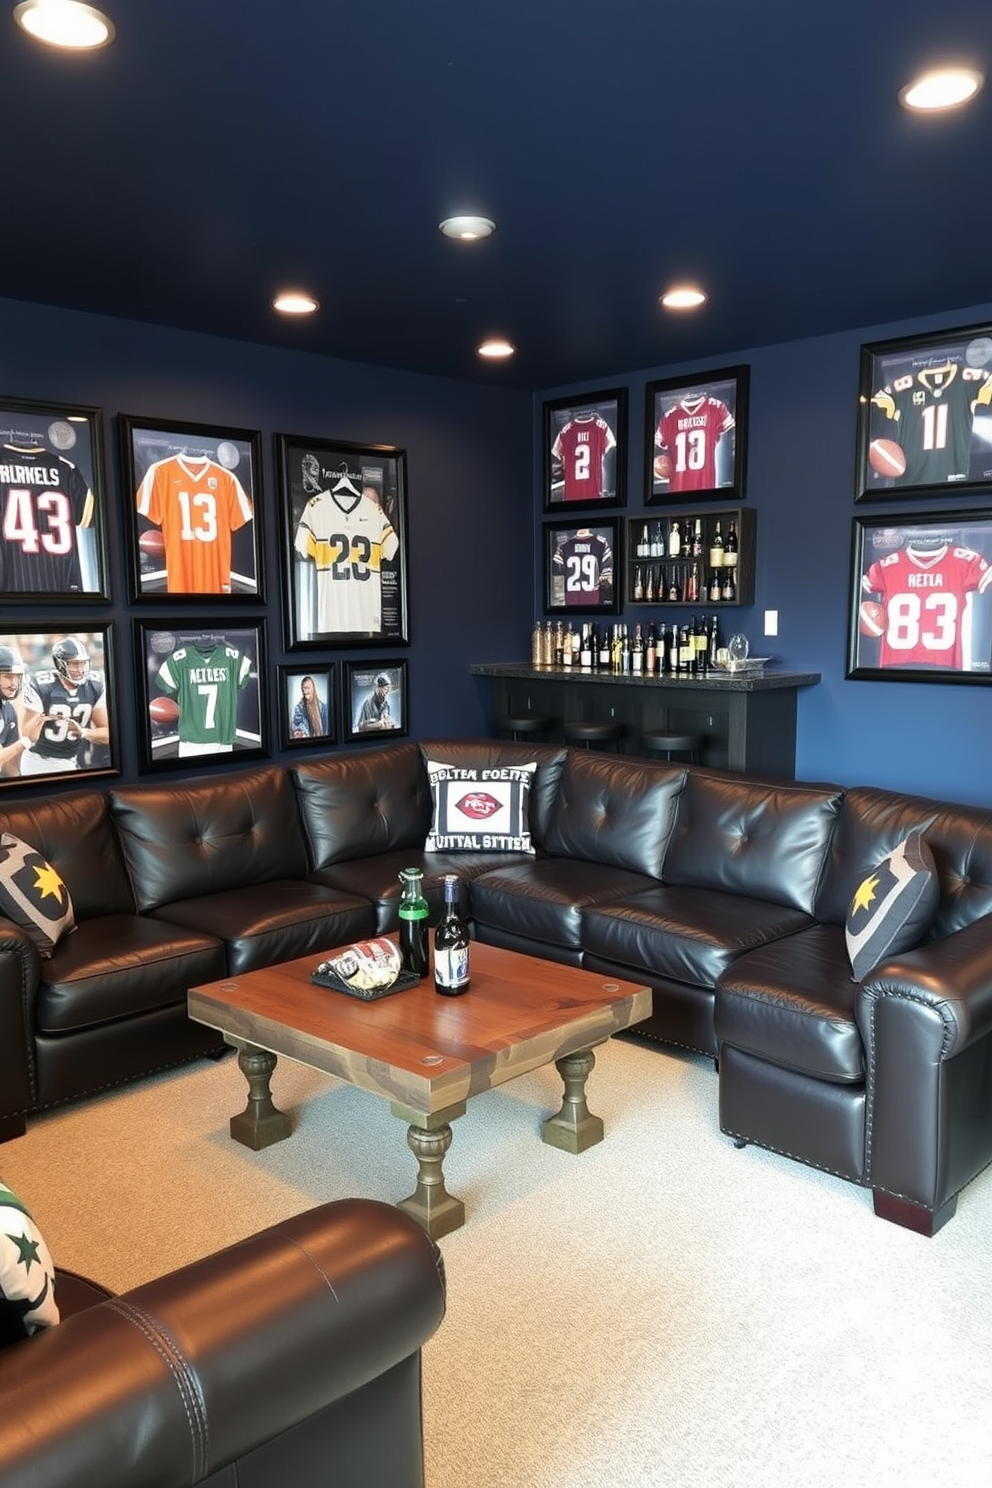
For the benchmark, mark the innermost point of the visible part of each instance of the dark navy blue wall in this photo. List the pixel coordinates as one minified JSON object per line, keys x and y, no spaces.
{"x":929,"y":738}
{"x":469,"y":501}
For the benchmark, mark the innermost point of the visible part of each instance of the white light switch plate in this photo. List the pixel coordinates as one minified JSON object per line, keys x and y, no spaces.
{"x":771,"y":622}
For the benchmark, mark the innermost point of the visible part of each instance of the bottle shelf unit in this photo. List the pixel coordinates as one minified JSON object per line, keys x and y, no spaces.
{"x":655,"y":531}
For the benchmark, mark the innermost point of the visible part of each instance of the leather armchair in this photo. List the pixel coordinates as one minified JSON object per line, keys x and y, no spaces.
{"x":289,"y":1359}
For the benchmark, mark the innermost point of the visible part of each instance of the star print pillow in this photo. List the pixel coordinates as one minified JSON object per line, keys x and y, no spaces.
{"x":33,"y":895}
{"x":27,"y":1276}
{"x":892,"y":909}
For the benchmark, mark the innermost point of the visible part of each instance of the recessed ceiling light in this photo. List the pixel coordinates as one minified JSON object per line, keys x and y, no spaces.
{"x":496,"y":349}
{"x":65,"y":23}
{"x":467,"y":229}
{"x":683,"y":297}
{"x":295,"y":302}
{"x":944,"y":88}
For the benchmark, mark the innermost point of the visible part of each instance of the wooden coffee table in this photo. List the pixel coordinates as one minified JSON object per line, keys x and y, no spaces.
{"x":425,"y":1053}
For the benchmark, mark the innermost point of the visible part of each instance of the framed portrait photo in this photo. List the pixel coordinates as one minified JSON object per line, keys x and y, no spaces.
{"x":375,"y":701}
{"x":344,"y":534}
{"x":582,"y":565}
{"x":697,"y":437}
{"x":925,"y":416}
{"x":921,"y":598}
{"x":585,"y":456}
{"x":306,"y":697}
{"x":200,"y":692}
{"x":52,"y":504}
{"x":192,"y":492}
{"x":58,"y":706}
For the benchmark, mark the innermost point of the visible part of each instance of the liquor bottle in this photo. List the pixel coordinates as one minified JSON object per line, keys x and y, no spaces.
{"x":730,"y":547}
{"x":717,"y":548}
{"x":714,"y":639}
{"x":703,"y":645}
{"x":637,"y":653}
{"x":616,"y":652}
{"x":566,"y":647}
{"x":559,"y":642}
{"x":728,"y":589}
{"x":649,"y":590}
{"x":451,"y":945}
{"x":674,"y":539}
{"x":715,"y":589}
{"x":638,"y":584}
{"x":586,"y":648}
{"x":548,"y":645}
{"x":692,"y":585}
{"x":605,"y":653}
{"x":673,"y":651}
{"x":663,"y":657}
{"x":537,"y":646}
{"x":674,"y":592}
{"x":685,"y":651}
{"x":413,"y":912}
{"x":625,"y":655}
{"x":651,"y":651}
{"x":697,"y":540}
{"x":644,"y":544}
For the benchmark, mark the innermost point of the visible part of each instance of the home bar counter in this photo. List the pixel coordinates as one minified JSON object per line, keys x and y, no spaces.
{"x":748,"y":721}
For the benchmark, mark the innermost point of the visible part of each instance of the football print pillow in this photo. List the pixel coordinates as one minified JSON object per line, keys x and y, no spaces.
{"x":33,"y":895}
{"x":27,"y":1276}
{"x":480,"y":810}
{"x":893,"y":907}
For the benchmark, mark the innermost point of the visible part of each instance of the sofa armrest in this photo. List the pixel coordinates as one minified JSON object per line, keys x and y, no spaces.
{"x":20,"y":971}
{"x":945,"y":986}
{"x":184,"y":1375}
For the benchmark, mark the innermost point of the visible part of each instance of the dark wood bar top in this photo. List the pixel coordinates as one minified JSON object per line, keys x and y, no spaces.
{"x":726,"y":681}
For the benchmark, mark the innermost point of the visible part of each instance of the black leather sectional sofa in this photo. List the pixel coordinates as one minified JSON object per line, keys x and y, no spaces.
{"x":725,"y":893}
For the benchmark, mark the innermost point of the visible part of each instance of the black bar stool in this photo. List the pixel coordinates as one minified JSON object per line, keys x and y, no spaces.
{"x":525,"y":725}
{"x":673,"y":741}
{"x":593,"y":735}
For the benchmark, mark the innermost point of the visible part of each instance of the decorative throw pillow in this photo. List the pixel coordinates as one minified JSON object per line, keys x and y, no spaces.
{"x":480,"y":809}
{"x":892,"y":908}
{"x":33,"y":895}
{"x":27,"y":1276}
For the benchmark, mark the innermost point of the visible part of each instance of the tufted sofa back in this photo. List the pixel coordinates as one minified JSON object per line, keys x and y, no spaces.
{"x":615,"y":812}
{"x":196,"y":837}
{"x":358,"y":805}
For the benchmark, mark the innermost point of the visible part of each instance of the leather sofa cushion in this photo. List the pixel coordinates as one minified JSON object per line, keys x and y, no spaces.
{"x":614,"y":813}
{"x":118,"y":966}
{"x":543,"y":899}
{"x":270,"y":922}
{"x":378,"y":879}
{"x":687,"y":935}
{"x":195,"y":838}
{"x":764,"y":840}
{"x":791,"y":1003}
{"x":75,"y":833}
{"x":490,"y":753}
{"x":357,"y":805}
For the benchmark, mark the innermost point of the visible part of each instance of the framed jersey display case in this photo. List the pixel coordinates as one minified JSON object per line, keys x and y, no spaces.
{"x":582,"y":567}
{"x":697,"y":437}
{"x":200,"y":692}
{"x":585,"y":457}
{"x":52,"y":503}
{"x":192,"y":494}
{"x":344,"y":530}
{"x":58,"y":705}
{"x":921,"y":598}
{"x":375,"y":701}
{"x":925,"y":416}
{"x":307,"y":705}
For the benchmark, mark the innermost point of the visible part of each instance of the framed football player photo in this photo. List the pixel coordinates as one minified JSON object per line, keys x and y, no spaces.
{"x":52,"y":503}
{"x":582,"y":565}
{"x":58,"y":710}
{"x":697,"y":437}
{"x":307,"y":709}
{"x":925,"y":416}
{"x":375,"y":701}
{"x":585,"y":457}
{"x":200,"y":692}
{"x":921,"y":598}
{"x":345,"y":542}
{"x":192,"y":493}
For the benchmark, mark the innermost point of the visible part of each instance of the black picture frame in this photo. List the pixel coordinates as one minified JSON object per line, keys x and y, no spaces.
{"x":72,"y":727}
{"x":300,"y":728}
{"x":361,"y":688}
{"x":921,"y":598}
{"x":925,"y":416}
{"x":193,"y":497}
{"x":53,"y":511}
{"x":344,"y":542}
{"x":585,"y":451}
{"x":583,"y":564}
{"x":696,"y":437}
{"x":216,"y":688}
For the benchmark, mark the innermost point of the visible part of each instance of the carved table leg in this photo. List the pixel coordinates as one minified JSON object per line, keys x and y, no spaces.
{"x":574,"y":1128}
{"x":429,"y":1138}
{"x":259,"y":1124}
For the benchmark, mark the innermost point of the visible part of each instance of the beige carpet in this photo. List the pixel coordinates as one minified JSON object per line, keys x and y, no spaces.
{"x":662,"y":1310}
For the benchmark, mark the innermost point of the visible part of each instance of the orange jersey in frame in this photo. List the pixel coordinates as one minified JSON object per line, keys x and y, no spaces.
{"x":197,"y":504}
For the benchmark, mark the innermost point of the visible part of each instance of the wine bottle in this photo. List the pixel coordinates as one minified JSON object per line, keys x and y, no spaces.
{"x":413,"y":912}
{"x":651,"y":651}
{"x":585,"y":650}
{"x":637,"y":653}
{"x":674,"y":539}
{"x":717,"y":548}
{"x":605,"y":653}
{"x":638,"y":585}
{"x":536,"y":646}
{"x":730,"y":547}
{"x":728,"y":589}
{"x":451,"y":945}
{"x":697,"y":540}
{"x":715,"y":591}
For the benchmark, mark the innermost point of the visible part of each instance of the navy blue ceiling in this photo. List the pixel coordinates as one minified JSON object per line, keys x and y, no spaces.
{"x":221,"y":149}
